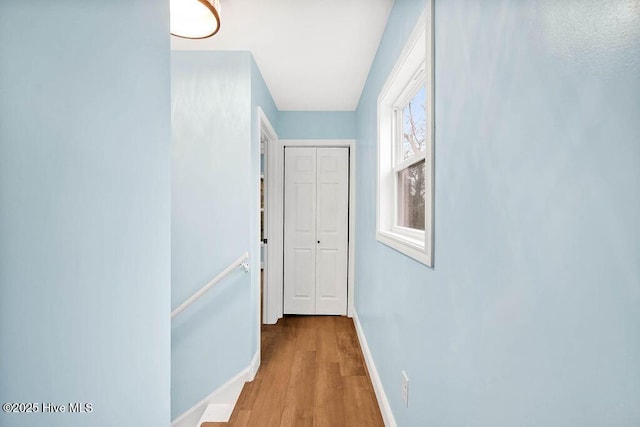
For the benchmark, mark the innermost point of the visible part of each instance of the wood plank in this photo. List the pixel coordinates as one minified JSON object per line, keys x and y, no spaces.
{"x":306,"y":322}
{"x":327,"y":342}
{"x":240,"y":418}
{"x":307,"y":339}
{"x":312,"y":374}
{"x":268,"y":342}
{"x":362,"y":408}
{"x":351,"y":360}
{"x":329,"y":397}
{"x":249,"y":395}
{"x":301,"y":387}
{"x":267,"y":409}
{"x":293,"y":416}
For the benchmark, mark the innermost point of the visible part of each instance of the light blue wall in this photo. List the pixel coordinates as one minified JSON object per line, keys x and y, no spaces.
{"x":531,"y":315}
{"x":317,"y":125}
{"x":85,"y":211}
{"x":211,"y":205}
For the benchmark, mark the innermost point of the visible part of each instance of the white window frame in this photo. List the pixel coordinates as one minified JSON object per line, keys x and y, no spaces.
{"x":413,"y":68}
{"x":416,"y":82}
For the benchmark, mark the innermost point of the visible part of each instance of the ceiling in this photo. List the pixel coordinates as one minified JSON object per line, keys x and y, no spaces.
{"x":314,"y":55}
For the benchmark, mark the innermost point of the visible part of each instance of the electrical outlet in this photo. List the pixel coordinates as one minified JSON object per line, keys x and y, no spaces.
{"x":404,"y":386}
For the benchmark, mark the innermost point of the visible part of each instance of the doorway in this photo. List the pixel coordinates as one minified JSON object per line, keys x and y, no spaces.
{"x":274,"y":290}
{"x":268,"y":143}
{"x":316,"y":211}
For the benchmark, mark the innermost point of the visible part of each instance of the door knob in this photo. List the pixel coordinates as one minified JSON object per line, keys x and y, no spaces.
{"x":318,"y":241}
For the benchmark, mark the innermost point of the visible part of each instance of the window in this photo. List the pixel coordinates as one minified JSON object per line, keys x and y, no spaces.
{"x":409,"y":162}
{"x":405,"y":149}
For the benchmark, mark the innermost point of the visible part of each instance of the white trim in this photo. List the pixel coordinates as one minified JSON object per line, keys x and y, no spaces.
{"x":254,"y":366}
{"x":411,"y":89}
{"x":352,"y":231}
{"x":418,"y":52}
{"x":263,"y":126}
{"x":276,"y":197}
{"x":272,"y":270}
{"x":410,"y":234}
{"x":403,"y":244}
{"x":226,"y":394}
{"x":216,"y":413}
{"x":410,"y":161}
{"x":381,"y":396}
{"x":267,"y":266}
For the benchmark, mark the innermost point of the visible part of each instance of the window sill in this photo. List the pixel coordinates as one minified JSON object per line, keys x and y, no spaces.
{"x":411,"y":247}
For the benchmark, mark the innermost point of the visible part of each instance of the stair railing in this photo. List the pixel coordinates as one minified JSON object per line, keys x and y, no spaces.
{"x":240,"y":262}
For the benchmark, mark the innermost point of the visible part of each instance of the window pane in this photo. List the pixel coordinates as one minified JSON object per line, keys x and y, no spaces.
{"x":410,"y":193}
{"x":414,"y":125}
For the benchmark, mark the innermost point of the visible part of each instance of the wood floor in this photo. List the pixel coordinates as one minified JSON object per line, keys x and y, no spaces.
{"x":312,"y":374}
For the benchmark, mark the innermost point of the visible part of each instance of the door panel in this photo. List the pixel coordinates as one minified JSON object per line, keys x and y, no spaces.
{"x":303,"y":279}
{"x":331,"y":223}
{"x":299,"y":231}
{"x":327,"y":275}
{"x":315,"y":230}
{"x":304,"y":220}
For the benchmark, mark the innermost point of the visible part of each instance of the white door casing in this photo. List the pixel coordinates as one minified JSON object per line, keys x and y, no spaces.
{"x":269,"y":272}
{"x":316,"y":204}
{"x":274,"y":290}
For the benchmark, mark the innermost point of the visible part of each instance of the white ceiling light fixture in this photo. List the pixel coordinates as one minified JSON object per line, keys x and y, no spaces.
{"x":195,"y":19}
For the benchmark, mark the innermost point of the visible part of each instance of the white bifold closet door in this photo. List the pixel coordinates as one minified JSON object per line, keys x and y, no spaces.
{"x":316,"y":210}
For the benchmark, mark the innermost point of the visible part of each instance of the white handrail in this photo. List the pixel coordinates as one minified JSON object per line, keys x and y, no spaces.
{"x":242,"y":261}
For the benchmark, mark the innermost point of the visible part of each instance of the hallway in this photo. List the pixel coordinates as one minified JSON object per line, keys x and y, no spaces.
{"x":312,"y":374}
{"x":131,"y":164}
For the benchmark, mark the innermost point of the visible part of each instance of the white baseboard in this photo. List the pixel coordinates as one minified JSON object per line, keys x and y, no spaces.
{"x":226,"y":394}
{"x":255,"y":365}
{"x":220,"y":413}
{"x":383,"y":403}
